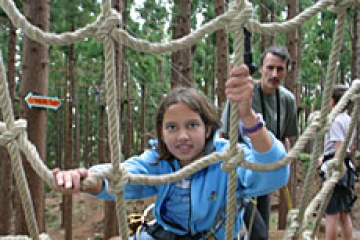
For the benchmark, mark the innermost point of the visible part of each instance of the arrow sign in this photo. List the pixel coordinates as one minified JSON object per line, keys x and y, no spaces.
{"x":52,"y":103}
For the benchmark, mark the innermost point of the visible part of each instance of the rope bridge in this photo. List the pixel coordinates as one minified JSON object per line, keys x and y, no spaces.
{"x":240,"y":14}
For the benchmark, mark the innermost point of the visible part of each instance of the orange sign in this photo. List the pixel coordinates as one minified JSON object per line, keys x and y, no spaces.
{"x":42,"y":101}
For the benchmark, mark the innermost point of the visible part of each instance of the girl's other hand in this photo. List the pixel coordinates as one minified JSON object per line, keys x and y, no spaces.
{"x":69,"y":181}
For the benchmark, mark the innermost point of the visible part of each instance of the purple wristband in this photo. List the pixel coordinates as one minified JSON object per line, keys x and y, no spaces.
{"x":259,"y":124}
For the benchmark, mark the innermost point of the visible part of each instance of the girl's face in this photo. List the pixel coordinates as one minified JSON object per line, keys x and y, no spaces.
{"x":184,"y":133}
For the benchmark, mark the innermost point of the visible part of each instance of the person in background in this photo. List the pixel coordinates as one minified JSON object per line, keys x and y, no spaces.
{"x":277,"y":106}
{"x":343,"y":197}
{"x":187,"y":129}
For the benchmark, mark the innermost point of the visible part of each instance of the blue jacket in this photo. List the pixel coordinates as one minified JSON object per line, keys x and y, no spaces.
{"x":208,"y":186}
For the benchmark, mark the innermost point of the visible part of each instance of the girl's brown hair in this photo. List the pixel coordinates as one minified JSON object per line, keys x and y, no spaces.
{"x":196,"y":102}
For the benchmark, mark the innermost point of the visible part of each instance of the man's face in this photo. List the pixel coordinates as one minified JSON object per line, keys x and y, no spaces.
{"x":273,"y":72}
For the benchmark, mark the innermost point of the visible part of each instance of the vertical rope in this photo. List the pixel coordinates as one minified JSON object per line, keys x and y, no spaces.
{"x":16,"y":161}
{"x":113,"y":120}
{"x":325,"y":109}
{"x":234,"y":120}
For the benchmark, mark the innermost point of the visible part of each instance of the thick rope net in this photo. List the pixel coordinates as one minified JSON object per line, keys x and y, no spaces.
{"x":240,"y":14}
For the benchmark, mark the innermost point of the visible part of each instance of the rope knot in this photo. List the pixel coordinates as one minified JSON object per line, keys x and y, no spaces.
{"x":12,"y":133}
{"x":109,"y":23}
{"x":232,"y":160}
{"x":241,"y":13}
{"x":117,"y":180}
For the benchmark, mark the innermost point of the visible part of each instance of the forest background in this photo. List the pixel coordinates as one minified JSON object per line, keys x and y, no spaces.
{"x":76,"y":133}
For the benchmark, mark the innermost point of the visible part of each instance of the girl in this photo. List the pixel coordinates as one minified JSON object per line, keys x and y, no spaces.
{"x":186,"y":126}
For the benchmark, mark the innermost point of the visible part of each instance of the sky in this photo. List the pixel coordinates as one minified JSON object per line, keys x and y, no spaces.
{"x":133,"y":13}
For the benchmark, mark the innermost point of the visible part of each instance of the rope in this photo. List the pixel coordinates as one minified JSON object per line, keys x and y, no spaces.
{"x":245,"y":11}
{"x":113,"y":111}
{"x":16,"y":163}
{"x":336,"y":170}
{"x":42,"y":236}
{"x":104,"y":29}
{"x":325,"y":109}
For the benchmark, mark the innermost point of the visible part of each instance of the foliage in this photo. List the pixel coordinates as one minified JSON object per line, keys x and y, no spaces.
{"x":203,"y":54}
{"x":88,"y":62}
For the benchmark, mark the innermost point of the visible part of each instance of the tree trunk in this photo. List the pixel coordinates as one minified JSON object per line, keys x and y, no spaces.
{"x":11,"y":71}
{"x":6,"y":190}
{"x":34,"y":79}
{"x":59,"y":134}
{"x":69,"y":150}
{"x":110,"y":229}
{"x":143,"y":116}
{"x":92,"y":145}
{"x":357,"y":70}
{"x":119,"y":5}
{"x":181,"y":60}
{"x":222,"y":54}
{"x":293,"y":45}
{"x":354,"y":42}
{"x":128,"y":143}
{"x":265,"y":39}
{"x":77,"y":132}
{"x":86,"y":131}
{"x":6,"y":185}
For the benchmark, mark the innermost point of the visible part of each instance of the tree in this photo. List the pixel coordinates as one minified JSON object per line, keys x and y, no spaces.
{"x":34,"y":79}
{"x":293,"y":45}
{"x":181,"y":73}
{"x":6,"y":186}
{"x":68,"y":129}
{"x":265,"y":16}
{"x":355,"y":45}
{"x":221,"y":54}
{"x":356,"y":52}
{"x":6,"y":189}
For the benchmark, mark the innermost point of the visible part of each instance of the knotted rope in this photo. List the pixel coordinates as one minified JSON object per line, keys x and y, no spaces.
{"x":325,"y":109}
{"x":245,"y":10}
{"x":105,"y":29}
{"x":113,"y":111}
